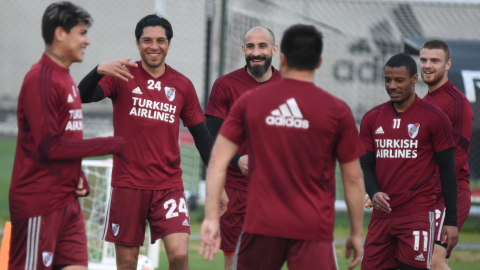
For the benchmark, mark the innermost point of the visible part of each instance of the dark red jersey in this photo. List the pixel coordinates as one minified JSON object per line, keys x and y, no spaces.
{"x":295,"y":132}
{"x":405,"y":147}
{"x":459,"y":111}
{"x":225,"y":91}
{"x":147,"y":113}
{"x":50,"y":148}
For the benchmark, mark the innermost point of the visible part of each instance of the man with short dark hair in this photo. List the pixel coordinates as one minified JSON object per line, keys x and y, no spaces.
{"x":295,"y":131}
{"x":258,"y":48}
{"x":405,"y":139}
{"x":149,"y":100}
{"x":48,"y":230}
{"x":435,"y":62}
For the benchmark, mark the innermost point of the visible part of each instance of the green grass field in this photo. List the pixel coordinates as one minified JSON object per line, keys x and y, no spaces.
{"x":461,"y":259}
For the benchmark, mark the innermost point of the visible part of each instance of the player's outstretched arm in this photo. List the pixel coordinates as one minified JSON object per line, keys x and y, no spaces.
{"x":223,"y":150}
{"x":354,"y":190}
{"x":446,"y":165}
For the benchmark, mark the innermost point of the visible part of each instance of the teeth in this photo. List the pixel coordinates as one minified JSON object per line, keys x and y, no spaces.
{"x":154,"y":54}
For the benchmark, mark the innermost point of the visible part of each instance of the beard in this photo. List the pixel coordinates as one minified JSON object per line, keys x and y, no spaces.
{"x":258,"y":71}
{"x":432,"y":81}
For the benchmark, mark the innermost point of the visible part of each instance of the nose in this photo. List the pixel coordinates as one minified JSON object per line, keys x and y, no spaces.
{"x":256,"y":51}
{"x":154,"y":46}
{"x":87,"y":40}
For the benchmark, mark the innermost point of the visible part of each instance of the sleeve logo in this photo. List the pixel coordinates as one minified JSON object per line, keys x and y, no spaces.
{"x":170,"y":93}
{"x":413,"y":130}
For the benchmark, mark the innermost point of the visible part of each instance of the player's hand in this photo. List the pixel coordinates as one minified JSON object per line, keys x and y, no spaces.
{"x":368,"y":202}
{"x":81,"y":191}
{"x":223,"y":202}
{"x":355,"y":243}
{"x":210,"y":233}
{"x":117,"y":68}
{"x":380,"y":202}
{"x":452,"y":233}
{"x":120,"y":153}
{"x":243,"y":164}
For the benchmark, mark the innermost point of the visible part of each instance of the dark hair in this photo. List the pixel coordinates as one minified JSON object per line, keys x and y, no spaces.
{"x":302,"y":46}
{"x":403,"y":60}
{"x":438,"y":44}
{"x":63,"y":14}
{"x":153,"y":20}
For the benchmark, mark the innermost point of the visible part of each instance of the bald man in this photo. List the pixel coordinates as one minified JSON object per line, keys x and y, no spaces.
{"x":258,"y":48}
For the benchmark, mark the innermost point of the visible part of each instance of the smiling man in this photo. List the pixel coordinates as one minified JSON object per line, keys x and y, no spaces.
{"x":405,"y":139}
{"x":149,"y":100}
{"x":258,"y":48}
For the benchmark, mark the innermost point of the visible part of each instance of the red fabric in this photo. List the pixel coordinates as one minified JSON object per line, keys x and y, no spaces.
{"x":408,"y":180}
{"x":142,"y":205}
{"x":231,"y":223}
{"x":225,"y":91}
{"x":292,"y":164}
{"x":149,"y":122}
{"x":50,"y":144}
{"x":458,"y":109}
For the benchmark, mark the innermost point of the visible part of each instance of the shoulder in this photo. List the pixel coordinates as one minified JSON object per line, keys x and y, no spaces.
{"x":229,"y":77}
{"x":374,"y":112}
{"x":180,"y":77}
{"x":432,"y":112}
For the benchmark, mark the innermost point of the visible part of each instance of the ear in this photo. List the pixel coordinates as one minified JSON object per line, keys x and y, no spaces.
{"x":59,"y":34}
{"x":319,"y":63}
{"x":136,"y":42}
{"x":415,"y":78}
{"x":243,"y":50}
{"x":448,"y":64}
{"x":283,"y":60}
{"x":275,"y":50}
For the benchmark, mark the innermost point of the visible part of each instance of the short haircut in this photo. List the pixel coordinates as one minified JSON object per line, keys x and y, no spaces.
{"x":269,"y":31}
{"x":403,"y":60}
{"x":438,"y":44}
{"x":63,"y":14}
{"x":153,"y":20}
{"x":302,"y":46}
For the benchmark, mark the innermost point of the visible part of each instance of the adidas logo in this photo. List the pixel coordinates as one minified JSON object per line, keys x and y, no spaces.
{"x":288,"y":115}
{"x":379,"y":131}
{"x":137,"y":91}
{"x":420,"y":258}
{"x":70,"y":98}
{"x":185,"y":223}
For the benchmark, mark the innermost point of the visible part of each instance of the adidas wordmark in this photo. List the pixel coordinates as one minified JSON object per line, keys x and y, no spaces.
{"x":287,"y":115}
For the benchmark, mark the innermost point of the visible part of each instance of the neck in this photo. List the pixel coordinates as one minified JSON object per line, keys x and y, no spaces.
{"x":265,"y":76}
{"x":433,"y":87}
{"x":299,"y":75}
{"x":403,"y":106}
{"x":57,"y":57}
{"x":155,"y":72}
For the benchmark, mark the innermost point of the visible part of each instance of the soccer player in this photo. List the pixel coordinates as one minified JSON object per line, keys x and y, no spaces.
{"x":405,"y":139}
{"x":148,"y":104}
{"x":259,"y":48}
{"x":295,"y":131}
{"x":434,"y":65}
{"x":48,"y":231}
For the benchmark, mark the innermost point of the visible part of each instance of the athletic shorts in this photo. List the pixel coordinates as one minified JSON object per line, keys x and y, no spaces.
{"x":262,"y":252}
{"x":57,"y":238}
{"x":129,"y":210}
{"x":408,"y":239}
{"x":232,"y":222}
{"x":464,"y":203}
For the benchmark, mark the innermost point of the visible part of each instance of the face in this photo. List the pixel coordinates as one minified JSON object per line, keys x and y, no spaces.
{"x":259,"y":50}
{"x":153,"y":46}
{"x":433,"y":65}
{"x":75,"y":42}
{"x":399,"y":85}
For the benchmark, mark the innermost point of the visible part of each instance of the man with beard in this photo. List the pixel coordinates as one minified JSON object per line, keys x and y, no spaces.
{"x":149,"y":100}
{"x":259,"y":48}
{"x":434,"y":65}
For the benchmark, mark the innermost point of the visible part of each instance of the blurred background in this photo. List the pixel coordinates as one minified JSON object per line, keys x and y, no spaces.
{"x":359,"y":36}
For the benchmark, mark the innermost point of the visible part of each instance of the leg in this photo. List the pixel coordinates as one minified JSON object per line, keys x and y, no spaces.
{"x":72,"y":267}
{"x":438,"y":259}
{"x":228,"y":262}
{"x":176,"y":247}
{"x":311,"y":255}
{"x":259,"y":252}
{"x":127,"y":257}
{"x":409,"y":267}
{"x":380,"y":245}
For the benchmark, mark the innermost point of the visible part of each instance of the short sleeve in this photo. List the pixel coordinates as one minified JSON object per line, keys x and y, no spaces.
{"x":109,"y":86}
{"x":234,"y":126}
{"x":349,"y":145}
{"x":366,"y":132}
{"x":192,"y":113}
{"x":441,"y":132}
{"x":218,"y":103}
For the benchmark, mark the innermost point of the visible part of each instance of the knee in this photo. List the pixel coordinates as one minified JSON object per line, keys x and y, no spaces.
{"x":178,"y":257}
{"x":127,"y":263}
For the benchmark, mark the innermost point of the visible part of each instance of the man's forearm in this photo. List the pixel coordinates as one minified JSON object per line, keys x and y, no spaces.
{"x":354,"y":190}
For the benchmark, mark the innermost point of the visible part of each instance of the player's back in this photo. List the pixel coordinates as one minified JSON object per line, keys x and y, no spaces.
{"x":293,"y":130}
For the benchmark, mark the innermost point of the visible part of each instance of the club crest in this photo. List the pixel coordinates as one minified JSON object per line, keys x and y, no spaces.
{"x":413,"y":130}
{"x":47,"y":258}
{"x":170,"y":93}
{"x":115,"y":229}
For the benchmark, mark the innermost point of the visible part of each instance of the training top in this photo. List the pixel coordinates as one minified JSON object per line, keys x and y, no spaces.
{"x":295,"y":132}
{"x":50,"y":148}
{"x":458,"y":109}
{"x":147,"y":113}
{"x":225,"y":91}
{"x":405,"y":147}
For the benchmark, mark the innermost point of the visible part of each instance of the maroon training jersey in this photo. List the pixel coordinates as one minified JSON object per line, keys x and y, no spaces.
{"x":50,"y":148}
{"x":458,"y":109}
{"x":405,"y":147}
{"x":225,"y":91}
{"x":147,"y":113}
{"x":295,"y":131}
